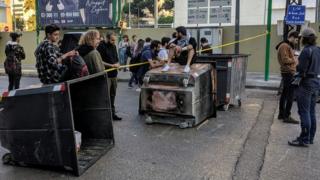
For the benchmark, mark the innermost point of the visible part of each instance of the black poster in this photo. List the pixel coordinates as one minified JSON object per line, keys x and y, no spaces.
{"x":75,"y":13}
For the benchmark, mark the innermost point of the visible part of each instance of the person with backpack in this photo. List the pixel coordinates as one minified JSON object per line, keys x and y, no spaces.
{"x":50,"y":62}
{"x":14,"y":55}
{"x":108,"y":52}
{"x":308,"y":82}
{"x":288,"y":63}
{"x":135,"y":60}
{"x":205,"y":46}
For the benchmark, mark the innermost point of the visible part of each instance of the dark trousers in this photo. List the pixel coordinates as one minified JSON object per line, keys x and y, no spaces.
{"x":287,"y":94}
{"x":307,"y":95}
{"x":14,"y":81}
{"x":112,"y":86}
{"x":141,"y":72}
{"x":134,"y":78}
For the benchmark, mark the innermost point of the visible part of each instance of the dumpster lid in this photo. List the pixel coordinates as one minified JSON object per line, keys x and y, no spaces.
{"x":222,"y":56}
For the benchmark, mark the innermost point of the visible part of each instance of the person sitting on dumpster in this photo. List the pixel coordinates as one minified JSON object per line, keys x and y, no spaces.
{"x":163,"y":53}
{"x":183,"y":50}
{"x":50,"y":62}
{"x":149,"y":54}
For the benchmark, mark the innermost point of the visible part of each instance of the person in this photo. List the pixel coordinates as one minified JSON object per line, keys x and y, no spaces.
{"x":149,"y":54}
{"x":163,"y":53}
{"x":183,"y":49}
{"x":87,"y":49}
{"x":288,"y":63}
{"x":14,"y":55}
{"x":50,"y":62}
{"x":147,"y":41}
{"x":136,"y":59}
{"x":205,"y":46}
{"x":308,"y":70}
{"x":109,"y":54}
{"x":123,"y":48}
{"x":133,"y":44}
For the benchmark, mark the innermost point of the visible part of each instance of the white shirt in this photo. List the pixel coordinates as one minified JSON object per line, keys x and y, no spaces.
{"x":163,"y":54}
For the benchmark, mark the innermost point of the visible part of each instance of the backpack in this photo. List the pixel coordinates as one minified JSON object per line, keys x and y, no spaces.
{"x":11,"y":62}
{"x":78,"y":68}
{"x":135,"y":60}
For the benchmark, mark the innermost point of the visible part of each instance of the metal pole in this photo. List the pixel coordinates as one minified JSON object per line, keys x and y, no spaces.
{"x":155,"y":13}
{"x":237,"y":28}
{"x":268,"y":39}
{"x":14,"y":15}
{"x":129,"y":14}
{"x":317,"y":12}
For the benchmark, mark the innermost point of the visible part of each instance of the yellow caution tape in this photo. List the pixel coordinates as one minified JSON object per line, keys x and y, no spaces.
{"x":199,"y":51}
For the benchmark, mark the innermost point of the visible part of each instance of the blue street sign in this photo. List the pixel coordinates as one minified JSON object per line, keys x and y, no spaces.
{"x":296,"y":15}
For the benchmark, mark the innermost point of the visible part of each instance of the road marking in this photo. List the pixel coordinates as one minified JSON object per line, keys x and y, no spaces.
{"x":202,"y":124}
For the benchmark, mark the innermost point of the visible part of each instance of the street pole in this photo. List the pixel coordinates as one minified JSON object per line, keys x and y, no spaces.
{"x":155,"y":13}
{"x":129,"y":14}
{"x":268,"y":39}
{"x":317,"y":11}
{"x":237,"y":28}
{"x":14,"y":16}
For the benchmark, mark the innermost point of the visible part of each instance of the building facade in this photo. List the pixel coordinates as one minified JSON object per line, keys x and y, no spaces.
{"x":252,"y":12}
{"x":5,"y":16}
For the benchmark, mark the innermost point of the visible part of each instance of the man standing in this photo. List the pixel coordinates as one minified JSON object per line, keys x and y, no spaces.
{"x":49,"y":60}
{"x":108,"y":51}
{"x":288,"y":63}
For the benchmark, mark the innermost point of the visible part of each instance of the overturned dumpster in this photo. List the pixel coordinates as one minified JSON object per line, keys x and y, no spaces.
{"x":177,"y":98}
{"x":41,"y":126}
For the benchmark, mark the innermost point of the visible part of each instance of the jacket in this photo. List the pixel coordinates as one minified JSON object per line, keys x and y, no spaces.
{"x":109,"y":55}
{"x":309,"y":61}
{"x":92,"y":58}
{"x":286,"y":59}
{"x":18,"y":52}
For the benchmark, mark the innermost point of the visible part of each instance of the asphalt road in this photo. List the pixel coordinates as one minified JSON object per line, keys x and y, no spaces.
{"x":243,"y":143}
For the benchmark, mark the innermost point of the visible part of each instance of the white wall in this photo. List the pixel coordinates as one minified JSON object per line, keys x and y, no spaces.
{"x":252,"y":12}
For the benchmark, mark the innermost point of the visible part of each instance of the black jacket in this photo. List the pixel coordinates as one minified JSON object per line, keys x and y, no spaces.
{"x":109,"y":55}
{"x":309,"y":61}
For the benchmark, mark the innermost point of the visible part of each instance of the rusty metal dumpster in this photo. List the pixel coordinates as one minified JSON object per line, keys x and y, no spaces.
{"x":178,"y":98}
{"x":231,"y":73}
{"x":37,"y":125}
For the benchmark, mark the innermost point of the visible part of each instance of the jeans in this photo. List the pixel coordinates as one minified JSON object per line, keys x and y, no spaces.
{"x":307,"y":95}
{"x":112,"y":87}
{"x":123,"y":56}
{"x":14,"y":81}
{"x":286,"y":99}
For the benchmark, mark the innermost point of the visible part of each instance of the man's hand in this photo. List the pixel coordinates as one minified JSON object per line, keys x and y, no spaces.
{"x":116,"y":65}
{"x":70,"y":54}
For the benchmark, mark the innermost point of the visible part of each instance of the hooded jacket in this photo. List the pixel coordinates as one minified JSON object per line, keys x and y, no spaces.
{"x":92,"y":58}
{"x":288,"y":62}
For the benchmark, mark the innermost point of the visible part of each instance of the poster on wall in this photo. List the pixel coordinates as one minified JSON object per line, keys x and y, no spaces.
{"x":197,"y":3}
{"x":220,"y":15}
{"x":197,"y":16}
{"x":75,"y":13}
{"x":220,"y":2}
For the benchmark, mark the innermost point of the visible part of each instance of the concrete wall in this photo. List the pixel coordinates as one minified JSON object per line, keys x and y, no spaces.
{"x":256,"y":48}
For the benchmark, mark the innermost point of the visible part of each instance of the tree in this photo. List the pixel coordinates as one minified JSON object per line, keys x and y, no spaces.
{"x":29,"y":5}
{"x":29,"y":8}
{"x":19,"y":23}
{"x":137,"y":6}
{"x":165,"y":19}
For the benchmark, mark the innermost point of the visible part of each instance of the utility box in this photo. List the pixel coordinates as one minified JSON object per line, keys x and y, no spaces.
{"x":177,"y":98}
{"x":38,"y":125}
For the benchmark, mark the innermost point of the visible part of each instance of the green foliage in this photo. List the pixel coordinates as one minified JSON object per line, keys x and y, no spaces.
{"x":165,"y":19}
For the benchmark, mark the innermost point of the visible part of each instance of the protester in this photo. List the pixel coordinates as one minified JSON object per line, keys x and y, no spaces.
{"x":136,"y":59}
{"x":205,"y":46}
{"x":149,"y":54}
{"x":133,"y":44}
{"x":183,"y":49}
{"x":288,"y":63}
{"x":87,"y":50}
{"x":50,"y":62}
{"x":308,"y":75}
{"x":109,"y":54}
{"x":14,"y":55}
{"x":123,"y":48}
{"x":163,"y":53}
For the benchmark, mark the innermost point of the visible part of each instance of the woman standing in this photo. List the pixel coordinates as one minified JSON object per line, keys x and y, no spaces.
{"x":87,"y":50}
{"x":14,"y":55}
{"x":124,"y":46}
{"x":308,"y":82}
{"x":136,"y":59}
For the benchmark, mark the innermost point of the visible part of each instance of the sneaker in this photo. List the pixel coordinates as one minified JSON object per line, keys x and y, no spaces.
{"x":138,"y":89}
{"x":130,"y":86}
{"x":116,"y":118}
{"x":290,"y":120}
{"x":280,"y":117}
{"x":165,"y":68}
{"x":298,"y":143}
{"x":186,"y":69}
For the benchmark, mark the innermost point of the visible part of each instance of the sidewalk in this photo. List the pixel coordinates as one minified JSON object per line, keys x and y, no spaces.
{"x":254,"y":79}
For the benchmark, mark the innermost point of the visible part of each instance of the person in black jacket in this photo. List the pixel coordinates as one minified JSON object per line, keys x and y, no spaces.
{"x":308,"y":71}
{"x":108,"y":51}
{"x":14,"y":55}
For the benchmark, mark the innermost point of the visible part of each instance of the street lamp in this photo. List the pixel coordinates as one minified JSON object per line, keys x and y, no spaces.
{"x":129,"y":1}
